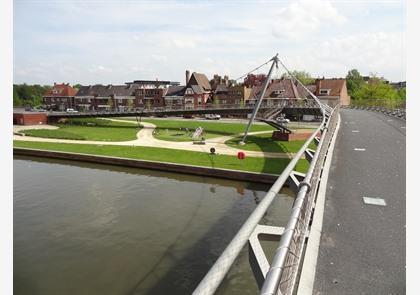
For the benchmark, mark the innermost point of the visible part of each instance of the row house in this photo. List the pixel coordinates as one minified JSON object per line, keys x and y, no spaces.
{"x":59,"y":97}
{"x":105,"y":97}
{"x":174,"y":97}
{"x":198,"y":91}
{"x":332,"y":91}
{"x":277,"y":91}
{"x":231,"y":95}
{"x":150,"y":97}
{"x":195,"y":94}
{"x":137,"y":94}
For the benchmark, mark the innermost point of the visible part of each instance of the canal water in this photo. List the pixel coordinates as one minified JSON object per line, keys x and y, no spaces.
{"x":84,"y":228}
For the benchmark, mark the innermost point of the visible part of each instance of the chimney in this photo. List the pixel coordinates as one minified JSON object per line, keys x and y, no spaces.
{"x":187,"y":77}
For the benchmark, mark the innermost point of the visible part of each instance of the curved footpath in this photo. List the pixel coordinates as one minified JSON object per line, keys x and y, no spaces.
{"x":145,"y":138}
{"x":362,"y":247}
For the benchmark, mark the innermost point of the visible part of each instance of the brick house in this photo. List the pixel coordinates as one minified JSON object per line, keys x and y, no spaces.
{"x":197,"y":92}
{"x":277,"y":90}
{"x":59,"y":97}
{"x":233,"y":95}
{"x":147,"y":98}
{"x":332,"y":91}
{"x":174,"y":97}
{"x":105,"y":97}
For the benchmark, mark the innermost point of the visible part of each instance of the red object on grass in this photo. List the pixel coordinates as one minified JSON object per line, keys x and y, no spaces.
{"x":241,"y":155}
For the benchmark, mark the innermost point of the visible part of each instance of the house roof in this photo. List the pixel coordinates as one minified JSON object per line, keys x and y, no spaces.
{"x":199,"y":79}
{"x":221,"y":88}
{"x":61,"y":90}
{"x":197,"y":89}
{"x":335,"y":86}
{"x":303,"y":93}
{"x":286,"y":88}
{"x":176,"y":91}
{"x":106,"y":90}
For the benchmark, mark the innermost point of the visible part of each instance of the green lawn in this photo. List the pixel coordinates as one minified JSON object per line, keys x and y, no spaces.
{"x":264,"y":143}
{"x":262,"y":165}
{"x":89,"y":129}
{"x":182,"y":130}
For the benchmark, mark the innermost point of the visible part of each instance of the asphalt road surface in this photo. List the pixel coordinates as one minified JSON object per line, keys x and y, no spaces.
{"x":362,"y":248}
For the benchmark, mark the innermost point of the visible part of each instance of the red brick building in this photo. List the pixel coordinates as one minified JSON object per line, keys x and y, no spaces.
{"x":198,"y":91}
{"x":29,"y":118}
{"x":332,"y":91}
{"x":59,"y":97}
{"x":277,"y":90}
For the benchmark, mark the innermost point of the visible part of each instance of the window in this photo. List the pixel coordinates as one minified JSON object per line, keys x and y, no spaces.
{"x":278,"y":92}
{"x":325,"y":91}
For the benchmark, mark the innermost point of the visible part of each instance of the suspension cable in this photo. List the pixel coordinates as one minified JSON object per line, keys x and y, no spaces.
{"x":243,"y":76}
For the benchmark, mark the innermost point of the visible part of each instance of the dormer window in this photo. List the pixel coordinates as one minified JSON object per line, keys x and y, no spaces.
{"x":278,"y":92}
{"x":324,"y":91}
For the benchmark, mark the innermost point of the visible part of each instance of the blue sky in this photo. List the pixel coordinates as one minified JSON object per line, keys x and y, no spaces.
{"x":91,"y":42}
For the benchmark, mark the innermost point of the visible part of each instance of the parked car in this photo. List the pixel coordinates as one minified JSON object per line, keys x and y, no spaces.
{"x":282,"y":120}
{"x":71,"y":111}
{"x":212,"y":117}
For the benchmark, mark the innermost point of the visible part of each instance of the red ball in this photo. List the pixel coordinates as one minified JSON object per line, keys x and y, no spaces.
{"x":241,"y":155}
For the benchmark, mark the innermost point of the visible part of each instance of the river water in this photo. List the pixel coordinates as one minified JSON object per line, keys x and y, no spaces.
{"x":84,"y":228}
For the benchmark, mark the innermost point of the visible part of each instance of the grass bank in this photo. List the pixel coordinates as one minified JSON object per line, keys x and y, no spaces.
{"x":260,"y":165}
{"x":264,"y":143}
{"x":182,"y":130}
{"x":89,"y":129}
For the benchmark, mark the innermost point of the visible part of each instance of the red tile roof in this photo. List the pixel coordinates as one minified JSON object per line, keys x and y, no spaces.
{"x":61,"y":90}
{"x":335,"y":86}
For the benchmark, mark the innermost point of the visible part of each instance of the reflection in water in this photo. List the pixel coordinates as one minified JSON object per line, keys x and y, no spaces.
{"x":97,"y":229}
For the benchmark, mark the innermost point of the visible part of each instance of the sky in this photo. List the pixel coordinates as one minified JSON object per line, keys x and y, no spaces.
{"x":113,"y":42}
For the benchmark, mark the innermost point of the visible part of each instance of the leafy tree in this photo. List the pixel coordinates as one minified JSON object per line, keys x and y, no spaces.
{"x":24,"y":94}
{"x":354,"y":81}
{"x":111,"y":103}
{"x":302,"y":76}
{"x":77,"y":86}
{"x":375,"y":89}
{"x":401,"y":93}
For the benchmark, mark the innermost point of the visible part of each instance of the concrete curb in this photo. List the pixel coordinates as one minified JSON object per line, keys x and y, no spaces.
{"x":155,"y":165}
{"x":307,"y":277}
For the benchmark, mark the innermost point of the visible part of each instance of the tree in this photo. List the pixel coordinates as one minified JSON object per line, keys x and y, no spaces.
{"x":354,"y":81}
{"x":375,"y":89}
{"x":252,"y":80}
{"x":24,"y":94}
{"x":302,"y":76}
{"x":111,"y":103}
{"x":77,"y":86}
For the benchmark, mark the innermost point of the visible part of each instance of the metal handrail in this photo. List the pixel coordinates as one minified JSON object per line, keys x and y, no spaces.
{"x":305,"y":103}
{"x":300,"y":213}
{"x":218,"y":271}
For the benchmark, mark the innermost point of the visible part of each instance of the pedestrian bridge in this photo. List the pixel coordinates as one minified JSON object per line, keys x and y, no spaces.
{"x":291,"y":107}
{"x":346,"y":247}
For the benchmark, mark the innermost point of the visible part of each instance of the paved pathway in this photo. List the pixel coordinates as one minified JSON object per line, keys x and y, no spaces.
{"x":362,"y":249}
{"x":145,"y":138}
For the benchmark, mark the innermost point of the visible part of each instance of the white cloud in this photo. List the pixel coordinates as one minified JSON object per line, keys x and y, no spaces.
{"x":377,"y":52}
{"x":305,"y":17}
{"x":112,"y":44}
{"x":184,"y":43}
{"x":99,"y":69}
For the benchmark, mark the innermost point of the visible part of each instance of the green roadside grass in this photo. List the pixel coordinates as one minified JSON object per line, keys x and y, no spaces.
{"x":252,"y":164}
{"x":89,"y":129}
{"x":182,"y":130}
{"x":264,"y":143}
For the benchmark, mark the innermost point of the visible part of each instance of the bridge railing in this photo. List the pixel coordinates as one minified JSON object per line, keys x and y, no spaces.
{"x":283,"y":273}
{"x":293,"y":103}
{"x":395,"y":112}
{"x":283,"y":270}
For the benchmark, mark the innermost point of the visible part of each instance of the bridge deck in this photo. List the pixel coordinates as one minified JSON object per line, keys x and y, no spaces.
{"x":362,"y":248}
